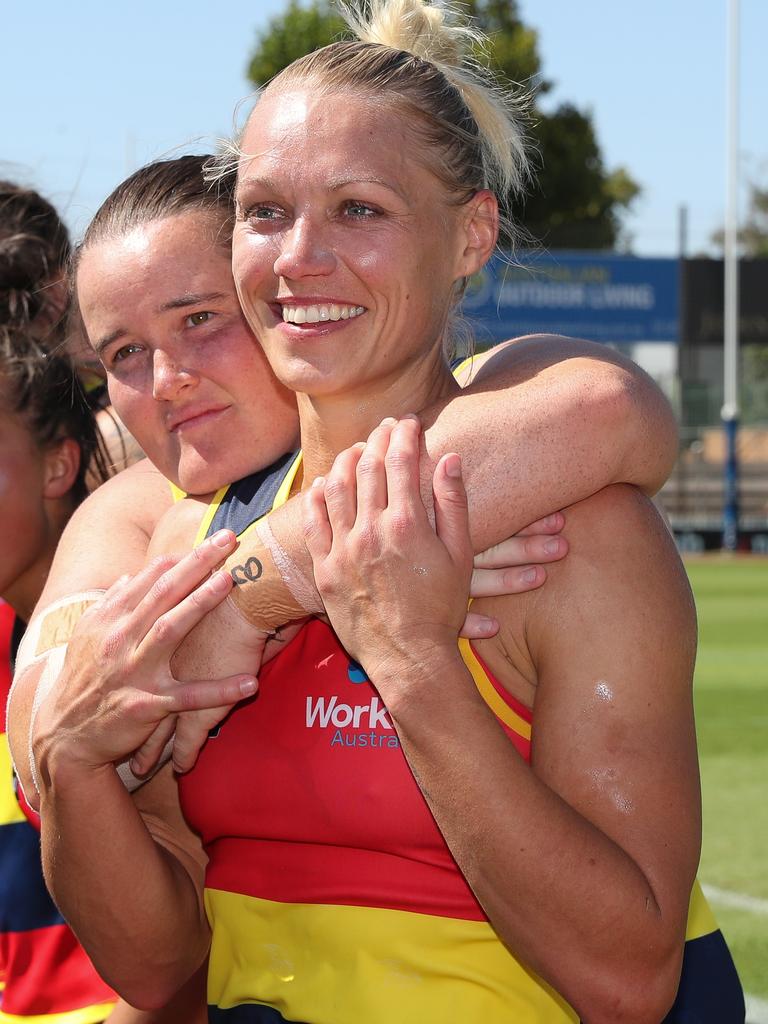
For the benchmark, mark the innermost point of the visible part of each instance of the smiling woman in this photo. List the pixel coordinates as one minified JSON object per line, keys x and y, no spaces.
{"x":520,"y":849}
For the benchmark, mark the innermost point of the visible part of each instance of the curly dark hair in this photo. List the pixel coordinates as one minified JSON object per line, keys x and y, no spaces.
{"x":43,"y":389}
{"x":34,"y":248}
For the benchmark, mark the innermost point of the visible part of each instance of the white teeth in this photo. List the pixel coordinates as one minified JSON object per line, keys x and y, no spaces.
{"x":320,"y":314}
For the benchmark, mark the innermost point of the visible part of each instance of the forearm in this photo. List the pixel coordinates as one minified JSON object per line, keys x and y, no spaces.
{"x":547,"y":422}
{"x":566,"y":899}
{"x":132,"y":903}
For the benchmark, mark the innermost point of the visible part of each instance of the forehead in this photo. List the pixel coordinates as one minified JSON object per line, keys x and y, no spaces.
{"x":310,"y":136}
{"x":156,"y":254}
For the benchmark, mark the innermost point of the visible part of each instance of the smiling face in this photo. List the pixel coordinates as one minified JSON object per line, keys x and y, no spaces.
{"x":345,"y":250}
{"x":185,"y":373}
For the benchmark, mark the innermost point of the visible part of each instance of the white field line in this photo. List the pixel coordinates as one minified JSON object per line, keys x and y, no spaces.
{"x":737,"y":900}
{"x":757,"y":1010}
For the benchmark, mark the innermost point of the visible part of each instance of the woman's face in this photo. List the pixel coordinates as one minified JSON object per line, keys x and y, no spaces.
{"x":185,"y":373}
{"x":345,"y":250}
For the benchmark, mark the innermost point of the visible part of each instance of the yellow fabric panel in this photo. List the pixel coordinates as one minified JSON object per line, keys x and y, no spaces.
{"x":88,"y":1015}
{"x":10,"y":812}
{"x":344,"y":965}
{"x":495,"y":702}
{"x":176,"y":492}
{"x":701,"y":920}
{"x":210,"y":512}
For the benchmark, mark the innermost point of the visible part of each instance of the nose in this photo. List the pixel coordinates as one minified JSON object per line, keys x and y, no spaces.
{"x":169,"y":378}
{"x":305,"y":251}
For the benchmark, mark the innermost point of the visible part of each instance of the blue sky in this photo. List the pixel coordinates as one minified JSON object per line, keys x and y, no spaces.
{"x":90,"y":91}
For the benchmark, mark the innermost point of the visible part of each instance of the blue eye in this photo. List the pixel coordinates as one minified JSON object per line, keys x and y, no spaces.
{"x":360,"y":211}
{"x":262,"y":212}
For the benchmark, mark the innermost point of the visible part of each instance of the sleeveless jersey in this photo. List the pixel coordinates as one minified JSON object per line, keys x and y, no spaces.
{"x":48,"y":977}
{"x":331,"y":893}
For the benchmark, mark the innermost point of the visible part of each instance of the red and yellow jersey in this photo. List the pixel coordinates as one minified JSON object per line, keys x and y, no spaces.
{"x":332,"y":895}
{"x":48,"y":977}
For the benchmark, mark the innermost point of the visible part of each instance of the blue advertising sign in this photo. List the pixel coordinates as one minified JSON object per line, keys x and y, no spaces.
{"x":608,"y":298}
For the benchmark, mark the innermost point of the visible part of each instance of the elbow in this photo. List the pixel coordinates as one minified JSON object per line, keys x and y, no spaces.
{"x":150,"y":991}
{"x":636,"y":412}
{"x":639,"y":993}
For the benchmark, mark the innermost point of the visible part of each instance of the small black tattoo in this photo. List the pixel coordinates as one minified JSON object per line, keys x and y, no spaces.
{"x":247,"y":573}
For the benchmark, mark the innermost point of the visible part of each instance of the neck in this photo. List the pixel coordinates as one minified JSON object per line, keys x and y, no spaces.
{"x":331,"y":423}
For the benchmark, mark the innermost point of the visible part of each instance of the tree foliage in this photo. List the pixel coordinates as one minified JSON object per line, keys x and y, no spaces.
{"x":753,"y":234}
{"x":575,"y":201}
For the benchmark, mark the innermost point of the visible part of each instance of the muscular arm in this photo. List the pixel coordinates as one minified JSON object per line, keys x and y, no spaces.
{"x":137,"y":906}
{"x":547,"y":421}
{"x":584,"y":860}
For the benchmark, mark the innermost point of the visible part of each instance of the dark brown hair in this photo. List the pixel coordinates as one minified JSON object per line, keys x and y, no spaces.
{"x":43,"y":389}
{"x":34,"y":248}
{"x":164,"y":188}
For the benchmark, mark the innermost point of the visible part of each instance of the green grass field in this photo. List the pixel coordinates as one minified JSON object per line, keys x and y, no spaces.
{"x":732,"y":723}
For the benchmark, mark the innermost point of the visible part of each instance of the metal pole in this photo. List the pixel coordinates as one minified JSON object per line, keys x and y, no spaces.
{"x":730,"y":410}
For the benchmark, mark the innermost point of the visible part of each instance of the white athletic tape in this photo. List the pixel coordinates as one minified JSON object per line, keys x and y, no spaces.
{"x":45,"y":640}
{"x":300,"y":585}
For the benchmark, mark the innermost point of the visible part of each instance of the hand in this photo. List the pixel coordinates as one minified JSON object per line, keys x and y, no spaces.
{"x":513,"y":567}
{"x":117,"y":684}
{"x":394,"y":588}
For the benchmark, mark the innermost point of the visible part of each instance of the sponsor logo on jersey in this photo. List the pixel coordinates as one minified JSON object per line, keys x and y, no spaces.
{"x":353,"y":725}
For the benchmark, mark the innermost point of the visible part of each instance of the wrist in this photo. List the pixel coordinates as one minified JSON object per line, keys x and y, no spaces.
{"x":419,"y":675}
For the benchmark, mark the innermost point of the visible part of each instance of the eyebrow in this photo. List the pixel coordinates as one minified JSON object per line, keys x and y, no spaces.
{"x":190,"y":299}
{"x":343,"y":181}
{"x":182,"y":302}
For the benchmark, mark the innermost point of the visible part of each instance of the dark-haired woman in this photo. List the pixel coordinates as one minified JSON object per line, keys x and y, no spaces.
{"x":48,"y":443}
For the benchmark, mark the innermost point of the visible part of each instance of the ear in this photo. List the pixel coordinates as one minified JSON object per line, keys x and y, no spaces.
{"x":62,"y":463}
{"x":481,"y":232}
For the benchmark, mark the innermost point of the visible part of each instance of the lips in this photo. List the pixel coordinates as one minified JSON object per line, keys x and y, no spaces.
{"x":195,"y":416}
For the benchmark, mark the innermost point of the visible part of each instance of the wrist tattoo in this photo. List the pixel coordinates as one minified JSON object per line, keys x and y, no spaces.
{"x":247,"y":573}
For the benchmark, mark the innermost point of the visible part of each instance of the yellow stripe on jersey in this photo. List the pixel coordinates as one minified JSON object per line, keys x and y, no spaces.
{"x":10,"y":812}
{"x":87,"y":1015}
{"x":701,"y":920}
{"x":344,"y":965}
{"x":210,"y":512}
{"x":176,"y":492}
{"x":492,"y":698}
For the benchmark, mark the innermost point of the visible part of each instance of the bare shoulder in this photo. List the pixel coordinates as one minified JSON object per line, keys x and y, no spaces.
{"x":532,"y":353}
{"x":109,"y":533}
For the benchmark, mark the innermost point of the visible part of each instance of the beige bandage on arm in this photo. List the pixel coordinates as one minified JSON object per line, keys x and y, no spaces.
{"x":45,"y":641}
{"x":270,"y":589}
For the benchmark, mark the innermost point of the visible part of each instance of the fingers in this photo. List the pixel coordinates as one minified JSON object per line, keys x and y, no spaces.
{"x":164,"y":635}
{"x":341,"y":489}
{"x":402,"y":467}
{"x":479,"y":627}
{"x":174,"y":584}
{"x":146,"y":758}
{"x":318,"y":535}
{"x":371,"y":475}
{"x":451,"y":514}
{"x":495,"y":582}
{"x":552,"y":523}
{"x":522,"y":551}
{"x":192,"y":731}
